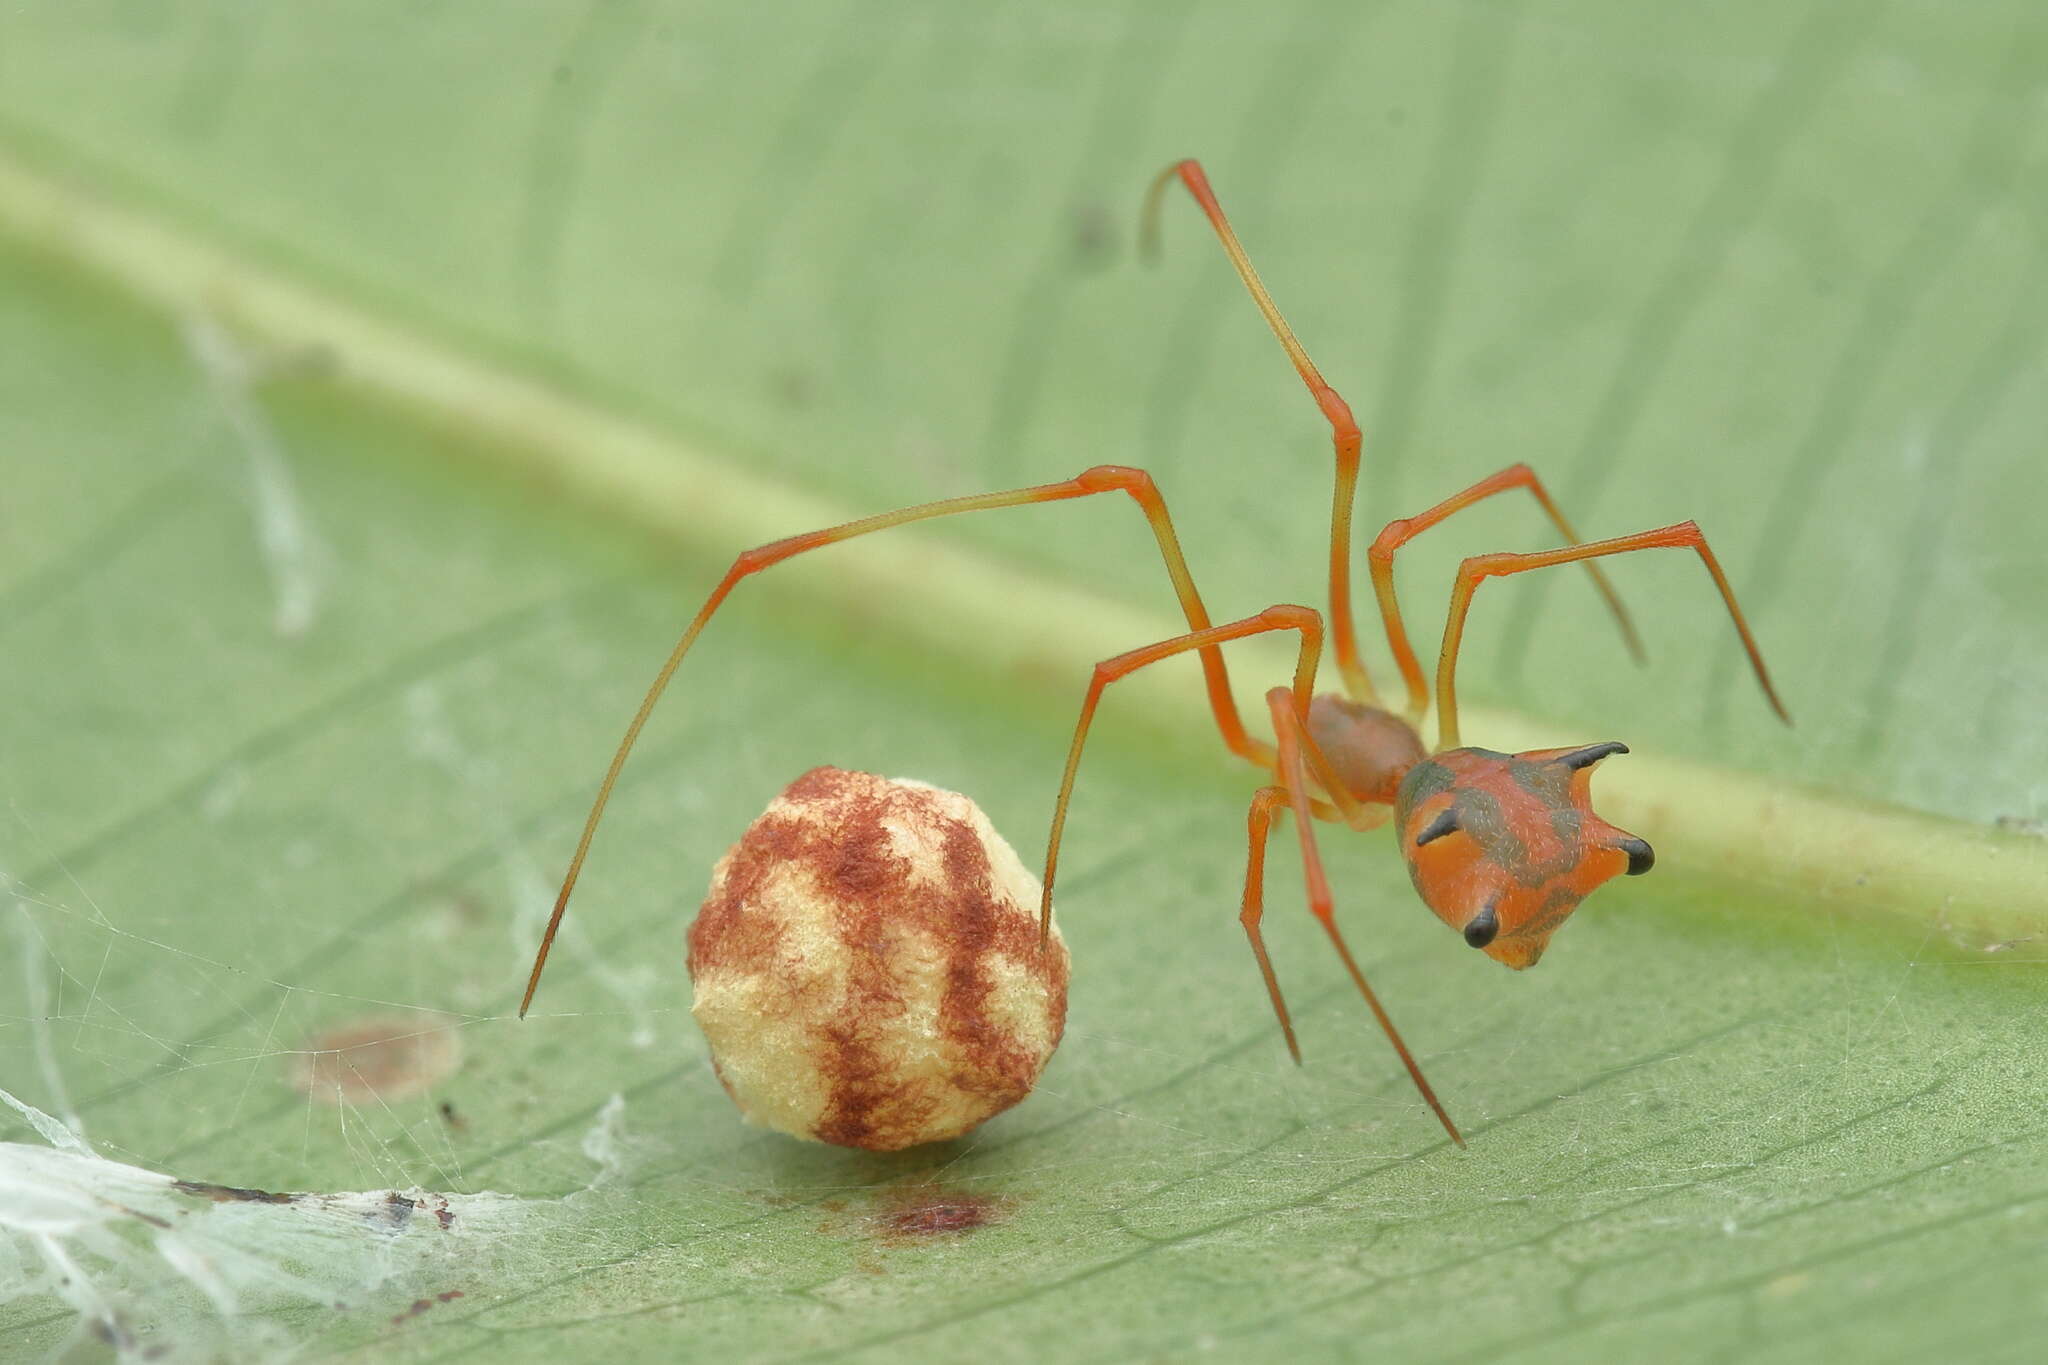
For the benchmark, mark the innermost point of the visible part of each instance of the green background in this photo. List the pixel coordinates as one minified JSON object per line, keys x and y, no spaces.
{"x":1782,"y":269}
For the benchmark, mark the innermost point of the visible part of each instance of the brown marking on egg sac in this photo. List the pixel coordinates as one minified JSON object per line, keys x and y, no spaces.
{"x":980,"y":931}
{"x":851,"y":853}
{"x":876,"y":903}
{"x":846,"y":841}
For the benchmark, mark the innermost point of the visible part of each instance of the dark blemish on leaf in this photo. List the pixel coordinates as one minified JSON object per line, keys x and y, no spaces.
{"x":230,"y":1194}
{"x":914,"y":1214}
{"x":420,"y":1306}
{"x":794,"y":387}
{"x":941,"y":1218}
{"x":378,"y":1058}
{"x":922,"y":1213}
{"x":397,"y":1210}
{"x":460,"y":908}
{"x":1092,"y":236}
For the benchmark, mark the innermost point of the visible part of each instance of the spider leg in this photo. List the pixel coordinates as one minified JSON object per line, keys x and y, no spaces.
{"x":1273,"y":618}
{"x":1402,"y":530}
{"x":1289,"y":728}
{"x":1259,"y":824}
{"x":1100,"y":479}
{"x":1344,"y":433}
{"x":1684,"y":535}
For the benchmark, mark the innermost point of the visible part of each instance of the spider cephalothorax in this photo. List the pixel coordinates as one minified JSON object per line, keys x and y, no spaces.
{"x":1504,"y":846}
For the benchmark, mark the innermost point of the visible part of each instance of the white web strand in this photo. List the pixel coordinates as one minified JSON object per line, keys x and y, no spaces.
{"x":293,"y":555}
{"x":34,"y":957}
{"x":604,"y":1142}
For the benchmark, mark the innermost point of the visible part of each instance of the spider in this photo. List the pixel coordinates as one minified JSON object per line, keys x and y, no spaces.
{"x":1502,"y":847}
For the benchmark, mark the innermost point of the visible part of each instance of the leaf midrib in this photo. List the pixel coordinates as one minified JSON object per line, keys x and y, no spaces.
{"x":1001,"y":619}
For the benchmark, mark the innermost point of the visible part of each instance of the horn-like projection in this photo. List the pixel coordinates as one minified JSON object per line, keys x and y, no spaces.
{"x":1591,"y":754}
{"x":1446,"y":822}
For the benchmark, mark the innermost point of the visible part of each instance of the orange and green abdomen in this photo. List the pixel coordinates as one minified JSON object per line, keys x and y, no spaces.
{"x":1503,"y":847}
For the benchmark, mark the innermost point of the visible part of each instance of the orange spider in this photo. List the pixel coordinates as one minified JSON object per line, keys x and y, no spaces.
{"x":1502,"y":847}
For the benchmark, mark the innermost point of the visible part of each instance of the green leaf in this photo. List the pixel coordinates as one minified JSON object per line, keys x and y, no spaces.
{"x":382,"y":387}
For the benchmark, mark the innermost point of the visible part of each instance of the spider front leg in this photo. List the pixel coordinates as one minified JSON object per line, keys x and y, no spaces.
{"x":1396,"y":533}
{"x":1274,"y":618}
{"x":1100,"y":479}
{"x":1684,"y":535}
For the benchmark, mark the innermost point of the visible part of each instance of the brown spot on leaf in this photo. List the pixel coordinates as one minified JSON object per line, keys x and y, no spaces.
{"x":921,"y":1213}
{"x":912,"y":1214}
{"x":420,"y":1306}
{"x":398,"y":1209}
{"x":381,"y":1057}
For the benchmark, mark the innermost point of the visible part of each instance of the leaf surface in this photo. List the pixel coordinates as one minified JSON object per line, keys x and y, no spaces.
{"x":313,"y":667}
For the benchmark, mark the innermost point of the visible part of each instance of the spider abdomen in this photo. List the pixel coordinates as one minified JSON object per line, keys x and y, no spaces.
{"x":1503,"y":847}
{"x":1371,"y":750}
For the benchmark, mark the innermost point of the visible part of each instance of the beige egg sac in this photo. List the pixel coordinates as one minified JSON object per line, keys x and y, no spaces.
{"x":868,"y":966}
